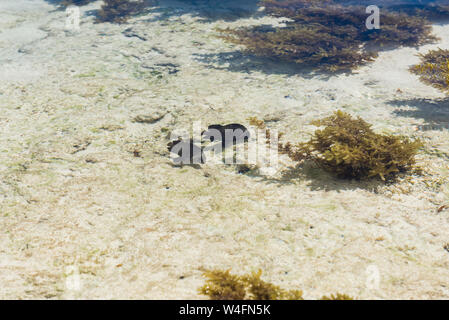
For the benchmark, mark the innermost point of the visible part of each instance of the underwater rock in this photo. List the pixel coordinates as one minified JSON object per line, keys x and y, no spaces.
{"x":150,"y":118}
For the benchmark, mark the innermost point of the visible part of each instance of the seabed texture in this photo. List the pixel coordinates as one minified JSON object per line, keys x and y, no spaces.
{"x":87,"y":186}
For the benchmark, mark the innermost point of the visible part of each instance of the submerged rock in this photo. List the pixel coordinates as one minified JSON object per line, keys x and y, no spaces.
{"x":150,"y":118}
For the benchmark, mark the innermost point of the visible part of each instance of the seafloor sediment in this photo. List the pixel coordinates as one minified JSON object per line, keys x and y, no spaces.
{"x":85,"y":185}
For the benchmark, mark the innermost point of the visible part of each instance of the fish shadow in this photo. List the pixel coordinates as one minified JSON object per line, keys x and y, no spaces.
{"x":318,"y":179}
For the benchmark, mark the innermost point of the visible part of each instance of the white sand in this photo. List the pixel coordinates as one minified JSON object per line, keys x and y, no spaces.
{"x":73,"y":196}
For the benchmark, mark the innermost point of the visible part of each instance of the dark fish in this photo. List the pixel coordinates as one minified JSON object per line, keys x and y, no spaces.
{"x":187,"y":151}
{"x":229,"y":135}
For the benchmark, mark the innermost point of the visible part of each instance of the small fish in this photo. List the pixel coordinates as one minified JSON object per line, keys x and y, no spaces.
{"x":442,"y":208}
{"x":229,"y":135}
{"x":188,"y":152}
{"x":136,"y":153}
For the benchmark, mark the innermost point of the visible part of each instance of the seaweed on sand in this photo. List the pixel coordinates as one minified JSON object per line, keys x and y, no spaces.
{"x":337,"y":296}
{"x":118,"y":11}
{"x":434,"y":69}
{"x":430,"y":9}
{"x":222,"y":285}
{"x":434,"y":10}
{"x":326,"y":35}
{"x":349,"y":148}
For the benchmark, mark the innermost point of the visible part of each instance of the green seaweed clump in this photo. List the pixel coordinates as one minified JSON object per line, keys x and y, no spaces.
{"x":326,"y":35}
{"x":262,"y":290}
{"x":349,"y":148}
{"x":337,"y":296}
{"x":118,"y":11}
{"x":434,"y":69}
{"x":435,"y":10}
{"x":222,"y":285}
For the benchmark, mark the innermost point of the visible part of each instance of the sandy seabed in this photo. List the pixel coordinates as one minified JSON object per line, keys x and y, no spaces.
{"x":77,"y":203}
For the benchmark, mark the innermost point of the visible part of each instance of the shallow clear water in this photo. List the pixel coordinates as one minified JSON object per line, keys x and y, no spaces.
{"x":93,"y":206}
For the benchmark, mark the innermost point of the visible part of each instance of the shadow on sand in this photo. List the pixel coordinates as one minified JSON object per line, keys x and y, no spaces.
{"x":317,"y":179}
{"x":206,"y":10}
{"x":237,"y":61}
{"x":433,"y":112}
